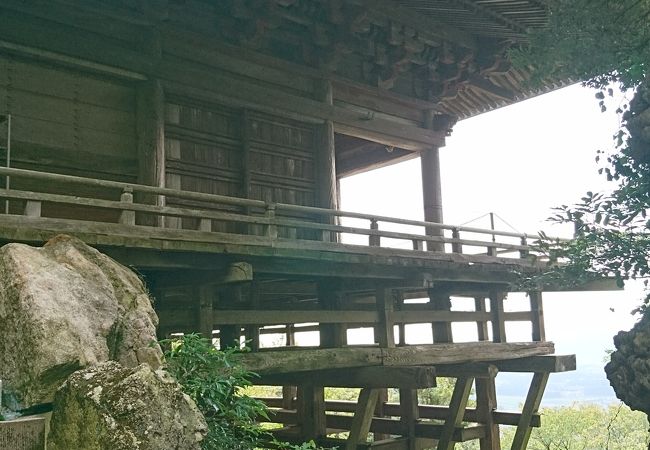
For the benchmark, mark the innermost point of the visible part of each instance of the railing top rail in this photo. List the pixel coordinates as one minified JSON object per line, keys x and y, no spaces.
{"x":237,"y":201}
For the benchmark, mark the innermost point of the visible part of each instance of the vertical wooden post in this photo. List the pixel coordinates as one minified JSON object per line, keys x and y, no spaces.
{"x":332,"y":335}
{"x":127,"y":217}
{"x":441,"y":330}
{"x":206,"y":295}
{"x":537,"y":310}
{"x":271,"y":229}
{"x":326,"y":163}
{"x":456,"y":247}
{"x":384,"y":330}
{"x":374,"y":240}
{"x":311,"y":411}
{"x":401,"y":326}
{"x":230,"y":335}
{"x":410,"y":414}
{"x":32,"y":208}
{"x":246,"y":176}
{"x":253,"y":331}
{"x":486,"y":404}
{"x":498,"y":323}
{"x":150,"y":128}
{"x":481,"y":326}
{"x":486,"y":396}
{"x":431,"y":188}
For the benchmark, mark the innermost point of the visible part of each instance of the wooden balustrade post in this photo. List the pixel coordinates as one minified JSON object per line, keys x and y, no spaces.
{"x":374,"y":240}
{"x":456,"y":247}
{"x":524,"y":253}
{"x":32,"y":209}
{"x":127,"y":217}
{"x":271,"y":228}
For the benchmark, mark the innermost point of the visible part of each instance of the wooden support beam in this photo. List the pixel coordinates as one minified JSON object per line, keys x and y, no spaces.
{"x":206,"y":297}
{"x":334,"y":334}
{"x":425,"y":411}
{"x":457,"y":406}
{"x":441,"y":330}
{"x":409,"y":414}
{"x":379,"y":412}
{"x":412,"y":377}
{"x":311,"y":411}
{"x":498,"y":322}
{"x":362,"y":418}
{"x":384,"y":330}
{"x":295,"y":360}
{"x":481,"y":326}
{"x":531,"y":406}
{"x":537,"y":310}
{"x":542,"y":363}
{"x":486,"y":404}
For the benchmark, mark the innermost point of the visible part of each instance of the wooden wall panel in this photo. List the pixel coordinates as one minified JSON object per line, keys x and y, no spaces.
{"x":71,"y":122}
{"x":205,"y":152}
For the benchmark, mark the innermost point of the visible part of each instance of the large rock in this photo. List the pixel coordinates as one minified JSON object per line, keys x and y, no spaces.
{"x":112,"y":407}
{"x":629,"y":368}
{"x":63,"y":307}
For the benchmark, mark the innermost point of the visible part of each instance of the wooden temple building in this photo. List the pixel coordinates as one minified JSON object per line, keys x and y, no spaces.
{"x":201,"y":142}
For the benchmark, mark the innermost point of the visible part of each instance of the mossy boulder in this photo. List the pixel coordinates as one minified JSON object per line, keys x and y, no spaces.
{"x":66,"y":306}
{"x":112,"y":407}
{"x":629,"y":368}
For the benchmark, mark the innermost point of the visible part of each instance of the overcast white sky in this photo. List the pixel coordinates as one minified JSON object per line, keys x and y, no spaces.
{"x":519,"y":162}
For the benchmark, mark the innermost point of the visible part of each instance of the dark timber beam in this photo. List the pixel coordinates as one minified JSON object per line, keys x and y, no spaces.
{"x":298,"y":359}
{"x":415,"y":377}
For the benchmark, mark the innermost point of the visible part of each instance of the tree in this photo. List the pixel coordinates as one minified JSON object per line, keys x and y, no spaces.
{"x":586,"y":427}
{"x":601,"y":42}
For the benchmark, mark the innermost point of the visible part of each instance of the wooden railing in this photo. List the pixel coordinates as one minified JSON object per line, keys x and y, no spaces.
{"x":265,"y":217}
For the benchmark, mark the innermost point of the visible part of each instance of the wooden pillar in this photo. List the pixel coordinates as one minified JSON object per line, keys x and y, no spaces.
{"x":486,"y":396}
{"x":410,"y":414}
{"x":431,"y":188}
{"x":498,"y":323}
{"x":326,"y":164}
{"x":537,"y":310}
{"x":441,"y":331}
{"x":486,"y":404}
{"x":206,"y":297}
{"x":331,"y":334}
{"x":384,"y":330}
{"x":150,"y":130}
{"x":311,"y":411}
{"x":230,"y":335}
{"x":252,"y":332}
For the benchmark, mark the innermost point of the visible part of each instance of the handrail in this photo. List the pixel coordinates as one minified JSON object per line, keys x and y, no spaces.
{"x":257,"y":212}
{"x":238,"y":201}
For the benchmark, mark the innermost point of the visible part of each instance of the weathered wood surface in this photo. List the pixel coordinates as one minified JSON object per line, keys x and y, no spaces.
{"x":283,"y":361}
{"x":415,"y":377}
{"x":424,"y":411}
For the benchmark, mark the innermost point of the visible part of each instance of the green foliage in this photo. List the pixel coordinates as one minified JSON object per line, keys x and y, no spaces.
{"x":596,"y":41}
{"x":601,"y":42}
{"x":210,"y":378}
{"x":586,"y":427}
{"x":219,"y":388}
